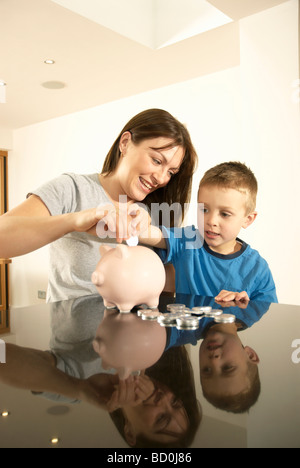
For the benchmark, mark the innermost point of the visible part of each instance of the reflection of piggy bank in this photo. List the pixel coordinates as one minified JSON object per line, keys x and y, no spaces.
{"x":127,"y":343}
{"x":129,"y":276}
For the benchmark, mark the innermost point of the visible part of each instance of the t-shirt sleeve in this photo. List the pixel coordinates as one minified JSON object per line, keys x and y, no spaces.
{"x":171,"y":237}
{"x":59,"y":195}
{"x":178,"y":241}
{"x":264,"y":288}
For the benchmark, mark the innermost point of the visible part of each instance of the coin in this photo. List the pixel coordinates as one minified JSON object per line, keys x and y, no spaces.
{"x":187,"y":323}
{"x":225,"y":318}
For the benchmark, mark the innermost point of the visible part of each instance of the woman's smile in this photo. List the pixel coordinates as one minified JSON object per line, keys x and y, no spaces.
{"x":146,"y":186}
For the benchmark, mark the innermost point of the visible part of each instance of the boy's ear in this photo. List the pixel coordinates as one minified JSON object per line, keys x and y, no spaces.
{"x":252,"y":355}
{"x":250,"y":218}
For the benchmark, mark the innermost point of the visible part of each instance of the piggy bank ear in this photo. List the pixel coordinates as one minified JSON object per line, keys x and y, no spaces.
{"x":122,"y":251}
{"x":104,"y":248}
{"x":97,"y":278}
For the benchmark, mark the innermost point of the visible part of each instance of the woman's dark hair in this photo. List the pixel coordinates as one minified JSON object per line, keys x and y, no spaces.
{"x":156,"y":123}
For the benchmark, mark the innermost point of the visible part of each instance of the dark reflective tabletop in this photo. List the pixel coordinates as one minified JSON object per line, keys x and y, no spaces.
{"x":92,"y":377}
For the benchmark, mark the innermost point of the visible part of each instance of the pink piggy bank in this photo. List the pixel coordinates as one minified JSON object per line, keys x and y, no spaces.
{"x":128,"y":344}
{"x":129,"y":276}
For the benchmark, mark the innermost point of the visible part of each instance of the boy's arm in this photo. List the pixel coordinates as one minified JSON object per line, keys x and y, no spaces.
{"x":261,"y":289}
{"x":264,"y":288}
{"x":153,"y":237}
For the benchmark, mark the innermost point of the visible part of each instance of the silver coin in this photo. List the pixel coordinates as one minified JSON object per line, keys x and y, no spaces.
{"x":168,"y":320}
{"x":132,"y":241}
{"x":200,"y":310}
{"x":175,"y":307}
{"x":187,"y":323}
{"x":225,"y":318}
{"x":214,"y":313}
{"x":150,"y":314}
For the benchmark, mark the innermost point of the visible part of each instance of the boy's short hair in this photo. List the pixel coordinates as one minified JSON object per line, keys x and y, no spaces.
{"x":241,"y":402}
{"x":233,"y":175}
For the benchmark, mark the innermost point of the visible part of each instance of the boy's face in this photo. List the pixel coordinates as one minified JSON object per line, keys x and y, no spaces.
{"x":224,"y":363}
{"x":223,"y":216}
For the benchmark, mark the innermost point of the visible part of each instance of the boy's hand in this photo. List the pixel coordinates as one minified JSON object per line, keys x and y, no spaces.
{"x":228,"y":296}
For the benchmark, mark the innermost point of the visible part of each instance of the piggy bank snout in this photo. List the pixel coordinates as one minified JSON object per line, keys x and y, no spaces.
{"x":99,"y":347}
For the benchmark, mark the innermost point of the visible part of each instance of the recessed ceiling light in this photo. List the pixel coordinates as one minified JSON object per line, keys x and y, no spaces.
{"x":54,"y":85}
{"x":4,"y":414}
{"x":49,"y":62}
{"x":2,"y":83}
{"x":54,"y":441}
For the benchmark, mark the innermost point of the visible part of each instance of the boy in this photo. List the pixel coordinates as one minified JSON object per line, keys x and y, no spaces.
{"x":217,"y":263}
{"x":228,"y":370}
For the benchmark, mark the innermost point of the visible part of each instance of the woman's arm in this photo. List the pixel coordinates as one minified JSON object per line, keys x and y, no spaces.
{"x":30,"y":226}
{"x":153,"y":237}
{"x":35,"y":370}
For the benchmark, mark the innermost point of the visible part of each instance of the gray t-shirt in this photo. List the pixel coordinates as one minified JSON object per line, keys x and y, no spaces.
{"x":73,"y":258}
{"x":73,"y":326}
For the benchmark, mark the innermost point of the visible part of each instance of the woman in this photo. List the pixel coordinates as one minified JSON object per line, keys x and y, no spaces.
{"x":152,"y":160}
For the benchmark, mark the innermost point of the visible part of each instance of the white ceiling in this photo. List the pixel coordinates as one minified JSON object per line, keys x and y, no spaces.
{"x":153,"y":23}
{"x":108,"y":50}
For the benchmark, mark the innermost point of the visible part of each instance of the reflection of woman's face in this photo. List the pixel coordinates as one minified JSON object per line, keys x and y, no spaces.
{"x":144,"y":168}
{"x":161,"y":417}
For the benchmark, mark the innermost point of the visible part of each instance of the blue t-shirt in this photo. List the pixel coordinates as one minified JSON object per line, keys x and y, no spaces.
{"x":203,"y":272}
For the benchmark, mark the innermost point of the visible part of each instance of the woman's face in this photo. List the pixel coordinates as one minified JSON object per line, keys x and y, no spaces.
{"x":144,"y":168}
{"x":161,"y":417}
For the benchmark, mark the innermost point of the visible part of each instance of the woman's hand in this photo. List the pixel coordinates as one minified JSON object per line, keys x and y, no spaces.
{"x":97,"y":390}
{"x":139,"y":221}
{"x":115,"y":222}
{"x":87,"y":220}
{"x":131,"y":392}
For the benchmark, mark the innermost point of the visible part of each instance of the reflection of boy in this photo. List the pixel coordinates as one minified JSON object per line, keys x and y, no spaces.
{"x":228,"y":370}
{"x":225,"y":267}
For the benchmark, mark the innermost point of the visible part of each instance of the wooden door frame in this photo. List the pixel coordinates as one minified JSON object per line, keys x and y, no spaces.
{"x":4,"y":263}
{"x":3,"y":181}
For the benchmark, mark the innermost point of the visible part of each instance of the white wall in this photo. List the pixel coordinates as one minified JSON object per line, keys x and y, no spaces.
{"x":6,"y":138}
{"x":245,"y":113}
